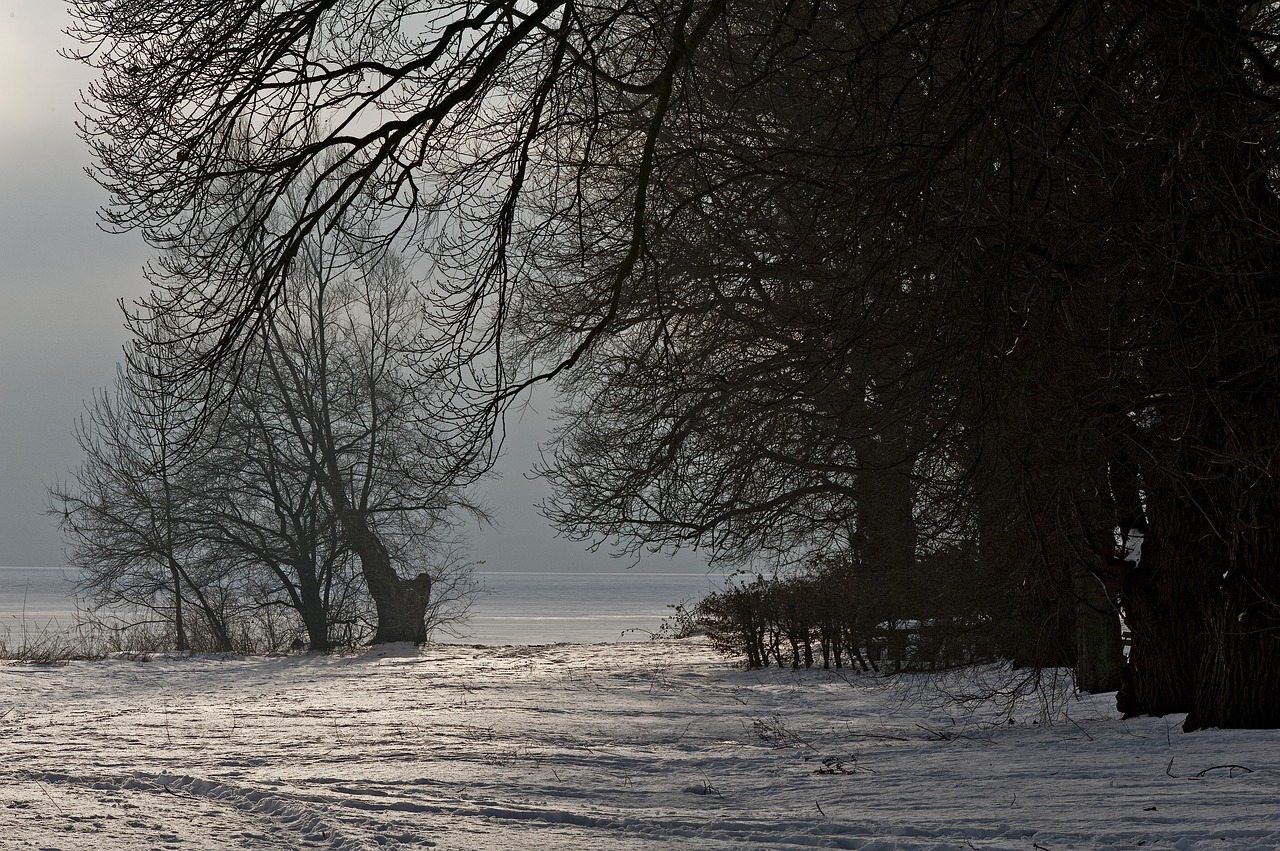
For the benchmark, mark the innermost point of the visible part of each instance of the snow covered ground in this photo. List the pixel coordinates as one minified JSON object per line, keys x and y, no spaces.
{"x":623,"y":746}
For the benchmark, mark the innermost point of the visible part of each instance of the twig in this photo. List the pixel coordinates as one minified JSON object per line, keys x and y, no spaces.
{"x":1081,"y":729}
{"x":885,"y":736}
{"x":1231,"y":768}
{"x":819,"y":806}
{"x":946,"y":737}
{"x":44,"y":792}
{"x":708,"y":788}
{"x":1168,"y":767}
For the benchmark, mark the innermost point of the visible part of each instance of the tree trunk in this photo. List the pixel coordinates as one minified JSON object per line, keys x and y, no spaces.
{"x":314,"y":614}
{"x":1020,"y":554}
{"x":1204,"y":611}
{"x":1238,"y":682}
{"x":179,"y":626}
{"x":1162,"y":613}
{"x":1099,"y":647}
{"x":888,"y":529}
{"x":401,"y":604}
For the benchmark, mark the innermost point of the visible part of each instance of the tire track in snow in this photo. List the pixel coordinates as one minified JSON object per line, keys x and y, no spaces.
{"x":264,"y":818}
{"x":604,"y":829}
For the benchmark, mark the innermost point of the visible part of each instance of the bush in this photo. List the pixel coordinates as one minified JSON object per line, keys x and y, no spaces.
{"x":837,"y":613}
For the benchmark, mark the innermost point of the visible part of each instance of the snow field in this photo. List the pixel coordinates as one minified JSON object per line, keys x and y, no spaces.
{"x":643,"y":745}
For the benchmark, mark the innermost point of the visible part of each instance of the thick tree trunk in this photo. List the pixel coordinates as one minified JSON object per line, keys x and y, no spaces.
{"x":887,"y":524}
{"x":1044,"y":627}
{"x":401,"y":604}
{"x":1203,"y":606}
{"x":314,"y":614}
{"x":1021,"y":556}
{"x":888,"y":529}
{"x":1238,"y":682}
{"x":1163,"y":614}
{"x":1033,"y":616}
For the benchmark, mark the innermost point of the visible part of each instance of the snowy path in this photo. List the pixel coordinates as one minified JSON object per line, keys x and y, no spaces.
{"x":626,"y":746}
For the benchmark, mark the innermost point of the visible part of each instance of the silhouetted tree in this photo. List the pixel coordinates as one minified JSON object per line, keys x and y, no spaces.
{"x":126,"y":515}
{"x":334,"y":408}
{"x":341,"y":372}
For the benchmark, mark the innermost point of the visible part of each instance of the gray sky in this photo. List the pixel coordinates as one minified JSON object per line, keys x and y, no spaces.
{"x":61,"y":331}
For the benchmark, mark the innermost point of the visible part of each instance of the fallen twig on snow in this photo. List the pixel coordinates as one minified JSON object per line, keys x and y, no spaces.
{"x":1231,"y":768}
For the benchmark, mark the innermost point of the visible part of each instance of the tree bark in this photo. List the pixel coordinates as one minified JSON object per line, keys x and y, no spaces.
{"x":179,"y":625}
{"x":1099,"y":647}
{"x":1238,"y":684}
{"x":401,"y":604}
{"x":313,"y":610}
{"x":1203,"y":605}
{"x":1162,"y":611}
{"x":887,"y":527}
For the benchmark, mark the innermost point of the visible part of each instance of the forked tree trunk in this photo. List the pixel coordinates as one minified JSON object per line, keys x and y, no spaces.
{"x":401,"y":604}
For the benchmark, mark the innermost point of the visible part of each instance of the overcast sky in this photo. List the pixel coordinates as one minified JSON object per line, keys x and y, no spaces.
{"x":61,"y":331}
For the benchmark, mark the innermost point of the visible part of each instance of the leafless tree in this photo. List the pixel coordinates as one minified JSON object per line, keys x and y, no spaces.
{"x":997,"y":201}
{"x":325,"y":439}
{"x":126,"y":516}
{"x":341,"y":387}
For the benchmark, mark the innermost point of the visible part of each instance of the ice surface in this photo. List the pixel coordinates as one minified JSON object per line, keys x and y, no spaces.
{"x":526,"y":607}
{"x":644,"y":745}
{"x":35,"y":599}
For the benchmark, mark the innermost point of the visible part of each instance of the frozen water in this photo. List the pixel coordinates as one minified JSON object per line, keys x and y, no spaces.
{"x":541,"y":608}
{"x":516,"y":607}
{"x":33,"y":599}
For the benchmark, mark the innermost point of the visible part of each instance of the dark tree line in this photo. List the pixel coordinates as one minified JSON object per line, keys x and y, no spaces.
{"x":888,"y":283}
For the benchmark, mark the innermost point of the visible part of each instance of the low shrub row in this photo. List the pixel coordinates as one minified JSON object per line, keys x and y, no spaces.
{"x":837,"y":615}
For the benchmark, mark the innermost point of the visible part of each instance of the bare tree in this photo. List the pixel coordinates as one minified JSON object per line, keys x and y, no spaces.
{"x":435,"y":112}
{"x":320,"y":478}
{"x":343,"y":369}
{"x":1001,"y":186}
{"x":126,"y":515}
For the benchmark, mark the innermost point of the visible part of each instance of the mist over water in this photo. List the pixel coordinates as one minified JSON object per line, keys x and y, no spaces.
{"x":34,"y":599}
{"x":515,"y":607}
{"x":542,"y":608}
